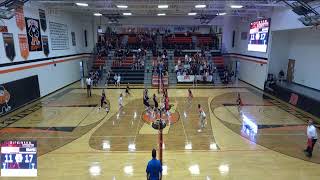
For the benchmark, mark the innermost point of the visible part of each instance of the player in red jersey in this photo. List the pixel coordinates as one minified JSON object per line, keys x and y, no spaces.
{"x":190,"y":96}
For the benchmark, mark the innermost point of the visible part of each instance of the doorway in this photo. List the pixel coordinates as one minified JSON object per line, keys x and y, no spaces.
{"x":290,"y":71}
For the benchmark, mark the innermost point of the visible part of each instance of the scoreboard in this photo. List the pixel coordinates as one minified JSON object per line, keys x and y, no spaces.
{"x":259,"y":35}
{"x":19,"y":158}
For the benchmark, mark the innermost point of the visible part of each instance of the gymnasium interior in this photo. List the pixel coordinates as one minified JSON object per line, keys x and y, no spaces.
{"x":220,"y":89}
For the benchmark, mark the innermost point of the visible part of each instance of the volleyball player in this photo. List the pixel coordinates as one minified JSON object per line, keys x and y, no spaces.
{"x":239,"y":103}
{"x":202,"y":118}
{"x":146,"y":99}
{"x":120,"y":101}
{"x":156,"y":104}
{"x":190,"y":96}
{"x":103,"y":101}
{"x":128,"y":90}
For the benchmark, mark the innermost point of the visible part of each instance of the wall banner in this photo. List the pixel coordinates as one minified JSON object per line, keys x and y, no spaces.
{"x":33,"y":34}
{"x":59,"y":36}
{"x":9,"y":45}
{"x":45,"y":44}
{"x":24,"y":47}
{"x":43,"y":20}
{"x":73,"y":37}
{"x":3,"y":29}
{"x":19,"y":14}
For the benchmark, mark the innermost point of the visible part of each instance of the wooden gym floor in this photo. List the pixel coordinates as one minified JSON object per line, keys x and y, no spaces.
{"x":76,"y":140}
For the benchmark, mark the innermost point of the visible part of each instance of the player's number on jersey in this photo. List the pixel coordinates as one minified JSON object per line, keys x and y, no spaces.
{"x":29,"y":158}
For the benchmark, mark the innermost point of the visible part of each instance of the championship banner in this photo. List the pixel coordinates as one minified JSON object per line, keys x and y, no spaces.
{"x":3,"y":29}
{"x":23,"y":43}
{"x":33,"y":34}
{"x":45,"y":44}
{"x":20,"y":17}
{"x":43,"y":21}
{"x":9,"y":45}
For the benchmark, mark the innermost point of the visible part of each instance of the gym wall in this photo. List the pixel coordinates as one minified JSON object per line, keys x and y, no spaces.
{"x":61,"y":67}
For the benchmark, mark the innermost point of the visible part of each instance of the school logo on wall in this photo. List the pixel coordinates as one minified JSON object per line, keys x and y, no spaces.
{"x":4,"y":99}
{"x":9,"y":45}
{"x":33,"y":34}
{"x":43,"y":21}
{"x":45,"y":44}
{"x":23,"y":43}
{"x":20,"y":17}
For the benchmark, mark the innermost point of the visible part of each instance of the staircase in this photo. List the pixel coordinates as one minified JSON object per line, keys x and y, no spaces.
{"x":172,"y":73}
{"x":148,"y":70}
{"x":107,"y":68}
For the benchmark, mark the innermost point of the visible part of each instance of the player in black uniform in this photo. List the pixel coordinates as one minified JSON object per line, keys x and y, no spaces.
{"x":103,"y":101}
{"x":156,"y":104}
{"x":146,"y":99}
{"x":128,"y":90}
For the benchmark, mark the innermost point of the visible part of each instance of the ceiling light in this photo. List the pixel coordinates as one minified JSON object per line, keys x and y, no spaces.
{"x":221,"y":14}
{"x":161,"y":14}
{"x":200,"y":6}
{"x":127,"y":14}
{"x":122,"y":6}
{"x":192,"y":14}
{"x":82,"y":4}
{"x":236,"y":6}
{"x":163,"y":6}
{"x":97,"y":14}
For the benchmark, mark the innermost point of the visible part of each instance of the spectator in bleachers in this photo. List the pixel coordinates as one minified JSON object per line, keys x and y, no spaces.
{"x":195,"y":65}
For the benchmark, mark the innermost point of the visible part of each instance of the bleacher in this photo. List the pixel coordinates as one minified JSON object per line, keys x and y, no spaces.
{"x":99,"y":61}
{"x":171,"y":42}
{"x":205,"y":41}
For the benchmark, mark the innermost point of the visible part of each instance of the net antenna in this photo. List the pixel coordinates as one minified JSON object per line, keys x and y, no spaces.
{"x":8,"y":7}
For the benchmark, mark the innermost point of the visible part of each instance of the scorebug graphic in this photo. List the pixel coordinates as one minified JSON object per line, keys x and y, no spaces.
{"x":19,"y":158}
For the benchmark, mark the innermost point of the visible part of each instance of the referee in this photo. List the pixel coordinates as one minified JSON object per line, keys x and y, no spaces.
{"x":154,"y":168}
{"x":88,"y":82}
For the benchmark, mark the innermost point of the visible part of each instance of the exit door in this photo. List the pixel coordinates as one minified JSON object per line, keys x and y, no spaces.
{"x":290,"y":71}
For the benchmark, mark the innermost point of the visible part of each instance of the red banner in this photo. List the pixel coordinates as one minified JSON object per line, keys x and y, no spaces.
{"x":24,"y":48}
{"x":20,"y":18}
{"x":294,"y":99}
